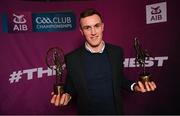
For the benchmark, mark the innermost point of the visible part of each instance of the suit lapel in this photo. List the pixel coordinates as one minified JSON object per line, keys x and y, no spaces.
{"x":81,"y":72}
{"x":113,"y":62}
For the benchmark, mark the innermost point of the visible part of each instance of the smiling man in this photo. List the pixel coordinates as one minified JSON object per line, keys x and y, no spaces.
{"x":95,"y":72}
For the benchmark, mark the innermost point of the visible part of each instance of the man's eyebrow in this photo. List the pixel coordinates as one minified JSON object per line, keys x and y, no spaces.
{"x":98,"y":24}
{"x":92,"y":25}
{"x":86,"y":26}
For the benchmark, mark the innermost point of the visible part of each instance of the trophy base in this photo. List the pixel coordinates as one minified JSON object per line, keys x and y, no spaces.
{"x":58,"y":89}
{"x":145,"y":77}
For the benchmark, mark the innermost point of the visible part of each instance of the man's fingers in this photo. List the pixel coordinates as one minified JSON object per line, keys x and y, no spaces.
{"x":153,"y":85}
{"x":147,"y":86}
{"x":53,"y":99}
{"x":141,"y":86}
{"x":62,"y":100}
{"x":67,"y":99}
{"x":57,"y":99}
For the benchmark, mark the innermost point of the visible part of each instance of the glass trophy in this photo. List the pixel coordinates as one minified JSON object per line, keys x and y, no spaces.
{"x":141,"y":57}
{"x":55,"y":61}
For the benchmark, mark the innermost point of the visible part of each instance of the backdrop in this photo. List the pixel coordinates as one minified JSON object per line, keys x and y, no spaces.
{"x":25,"y":80}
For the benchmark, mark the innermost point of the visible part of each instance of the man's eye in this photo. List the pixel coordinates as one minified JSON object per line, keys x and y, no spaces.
{"x":98,"y":25}
{"x":86,"y":27}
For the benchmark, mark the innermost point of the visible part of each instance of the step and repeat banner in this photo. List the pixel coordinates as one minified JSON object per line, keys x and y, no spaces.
{"x":28,"y":29}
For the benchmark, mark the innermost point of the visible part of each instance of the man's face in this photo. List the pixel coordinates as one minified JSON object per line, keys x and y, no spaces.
{"x":92,"y":28}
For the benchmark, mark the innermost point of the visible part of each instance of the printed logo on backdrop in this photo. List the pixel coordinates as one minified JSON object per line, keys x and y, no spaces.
{"x":17,"y":76}
{"x":53,"y":22}
{"x":38,"y":22}
{"x":19,"y":22}
{"x":156,"y":13}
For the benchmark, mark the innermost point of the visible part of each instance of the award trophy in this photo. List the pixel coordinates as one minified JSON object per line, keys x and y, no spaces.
{"x":141,"y":57}
{"x":55,"y":61}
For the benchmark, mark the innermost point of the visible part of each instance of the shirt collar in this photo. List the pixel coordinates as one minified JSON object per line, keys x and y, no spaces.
{"x":92,"y":51}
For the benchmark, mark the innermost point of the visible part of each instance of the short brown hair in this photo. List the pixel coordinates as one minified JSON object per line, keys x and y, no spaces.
{"x":90,"y":12}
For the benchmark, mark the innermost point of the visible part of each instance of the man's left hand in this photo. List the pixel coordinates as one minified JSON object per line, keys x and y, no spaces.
{"x":147,"y":86}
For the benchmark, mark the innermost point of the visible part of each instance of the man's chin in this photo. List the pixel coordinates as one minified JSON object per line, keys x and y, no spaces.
{"x":95,"y":45}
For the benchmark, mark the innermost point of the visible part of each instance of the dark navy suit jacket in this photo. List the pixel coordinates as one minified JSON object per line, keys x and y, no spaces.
{"x":76,"y":83}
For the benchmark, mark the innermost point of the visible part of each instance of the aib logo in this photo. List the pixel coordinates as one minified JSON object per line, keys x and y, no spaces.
{"x":156,"y":10}
{"x":156,"y":13}
{"x":19,"y":22}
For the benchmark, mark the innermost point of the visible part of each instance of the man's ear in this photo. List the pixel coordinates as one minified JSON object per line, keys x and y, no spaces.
{"x":80,"y":29}
{"x":102,"y":26}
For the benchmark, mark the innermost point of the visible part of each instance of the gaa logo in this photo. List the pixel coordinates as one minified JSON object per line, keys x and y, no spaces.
{"x":53,"y":22}
{"x":43,"y":20}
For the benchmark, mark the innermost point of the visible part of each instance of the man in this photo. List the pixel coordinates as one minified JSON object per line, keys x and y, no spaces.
{"x":95,"y":72}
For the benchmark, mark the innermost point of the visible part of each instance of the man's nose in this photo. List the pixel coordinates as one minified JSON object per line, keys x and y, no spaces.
{"x":93,"y":31}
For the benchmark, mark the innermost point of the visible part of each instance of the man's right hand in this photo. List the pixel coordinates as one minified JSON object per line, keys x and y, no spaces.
{"x":62,"y":100}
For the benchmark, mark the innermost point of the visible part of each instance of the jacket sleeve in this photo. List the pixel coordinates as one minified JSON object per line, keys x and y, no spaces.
{"x":69,"y":85}
{"x":126,"y":84}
